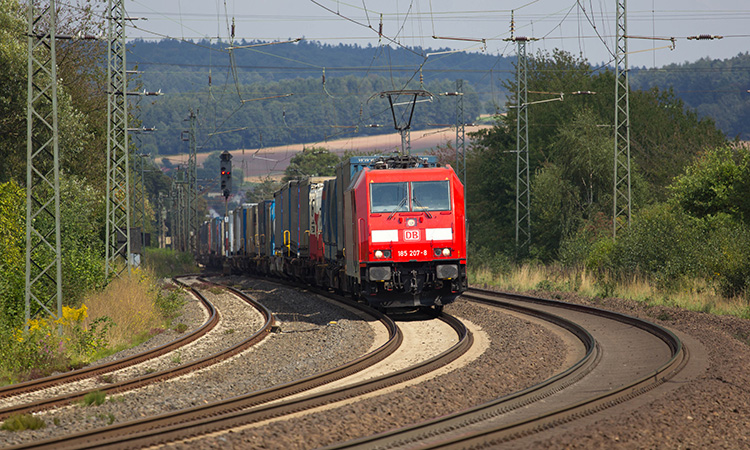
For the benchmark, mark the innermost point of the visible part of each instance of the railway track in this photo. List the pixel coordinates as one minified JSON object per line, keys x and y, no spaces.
{"x":620,"y":357}
{"x":254,"y":407}
{"x":139,"y":381}
{"x":624,"y":357}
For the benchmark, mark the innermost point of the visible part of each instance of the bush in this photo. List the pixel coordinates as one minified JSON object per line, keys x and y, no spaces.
{"x":51,"y":345}
{"x":662,"y":242}
{"x":163,"y":262}
{"x":21,"y":422}
{"x":483,"y":258}
{"x":727,"y":255}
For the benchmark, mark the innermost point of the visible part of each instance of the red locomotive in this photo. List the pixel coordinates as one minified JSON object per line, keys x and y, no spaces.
{"x":406,"y":231}
{"x":391,"y":230}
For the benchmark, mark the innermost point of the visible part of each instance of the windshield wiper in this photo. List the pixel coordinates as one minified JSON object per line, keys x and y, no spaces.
{"x":414,"y":199}
{"x":403,"y":201}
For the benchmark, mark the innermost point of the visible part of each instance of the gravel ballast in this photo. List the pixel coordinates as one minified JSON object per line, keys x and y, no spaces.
{"x":521,"y":354}
{"x":308,"y":343}
{"x":712,"y":410}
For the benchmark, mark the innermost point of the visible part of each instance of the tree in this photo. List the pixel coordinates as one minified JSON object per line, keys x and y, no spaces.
{"x":717,"y":182}
{"x":311,"y":162}
{"x":571,"y":154}
{"x":12,"y":251}
{"x":12,"y":92}
{"x":262,"y":191}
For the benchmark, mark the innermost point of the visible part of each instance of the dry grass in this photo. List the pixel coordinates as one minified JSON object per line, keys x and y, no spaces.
{"x":696,"y":295}
{"x":130,"y":302}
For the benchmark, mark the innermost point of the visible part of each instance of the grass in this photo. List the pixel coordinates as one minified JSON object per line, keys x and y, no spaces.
{"x":128,"y":312}
{"x":129,"y":301}
{"x":94,"y":398}
{"x":695,"y":295}
{"x":168,"y":263}
{"x":21,"y":422}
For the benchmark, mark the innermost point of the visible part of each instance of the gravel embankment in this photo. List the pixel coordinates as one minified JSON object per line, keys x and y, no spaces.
{"x":710,"y":411}
{"x":521,"y":354}
{"x":193,"y":315}
{"x":308,"y":343}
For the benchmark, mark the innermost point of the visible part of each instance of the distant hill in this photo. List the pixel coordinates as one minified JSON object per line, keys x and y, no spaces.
{"x":178,"y":66}
{"x":714,"y":88}
{"x":332,"y":86}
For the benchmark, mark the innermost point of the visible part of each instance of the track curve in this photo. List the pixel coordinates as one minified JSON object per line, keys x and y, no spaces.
{"x":251,"y":408}
{"x":629,"y":357}
{"x":51,"y":402}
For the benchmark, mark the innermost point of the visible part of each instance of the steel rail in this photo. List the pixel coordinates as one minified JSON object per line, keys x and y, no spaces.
{"x":100,"y":369}
{"x":496,"y":435}
{"x":250,"y":408}
{"x":164,"y":374}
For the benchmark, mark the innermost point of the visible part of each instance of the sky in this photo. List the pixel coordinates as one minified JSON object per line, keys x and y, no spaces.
{"x":583,"y":27}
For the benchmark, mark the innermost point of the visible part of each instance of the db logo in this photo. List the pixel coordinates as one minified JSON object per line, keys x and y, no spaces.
{"x":411,"y":235}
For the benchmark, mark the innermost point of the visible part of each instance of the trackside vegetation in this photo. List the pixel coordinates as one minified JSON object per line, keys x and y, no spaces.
{"x":100,"y":315}
{"x":689,"y":240}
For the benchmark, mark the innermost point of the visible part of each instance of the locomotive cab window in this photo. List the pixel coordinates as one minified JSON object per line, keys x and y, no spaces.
{"x":415,"y":196}
{"x":430,"y":196}
{"x":388,"y":197}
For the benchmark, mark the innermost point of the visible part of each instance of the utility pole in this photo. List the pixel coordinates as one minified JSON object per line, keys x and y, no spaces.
{"x":460,"y":132}
{"x":173,"y":212}
{"x":160,"y":216}
{"x":118,"y":156}
{"x":622,"y":205}
{"x":192,"y":188}
{"x":43,"y":282}
{"x":460,"y":140}
{"x":523,"y":186}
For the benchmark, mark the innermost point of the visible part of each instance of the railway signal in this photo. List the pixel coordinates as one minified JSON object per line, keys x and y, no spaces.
{"x":226,"y":173}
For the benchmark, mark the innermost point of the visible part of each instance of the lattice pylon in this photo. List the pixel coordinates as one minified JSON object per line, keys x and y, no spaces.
{"x":192,"y":189}
{"x":118,"y":156}
{"x":43,"y":282}
{"x":523,"y":186}
{"x":460,"y":132}
{"x":621,"y":202}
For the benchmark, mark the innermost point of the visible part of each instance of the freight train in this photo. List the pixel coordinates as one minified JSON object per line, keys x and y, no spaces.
{"x":390,"y":230}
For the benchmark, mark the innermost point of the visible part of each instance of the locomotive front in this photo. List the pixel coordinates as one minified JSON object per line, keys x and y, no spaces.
{"x":409,"y":235}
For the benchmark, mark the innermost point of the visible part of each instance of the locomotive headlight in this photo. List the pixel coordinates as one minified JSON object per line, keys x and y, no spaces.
{"x":446,"y":252}
{"x":378,"y":254}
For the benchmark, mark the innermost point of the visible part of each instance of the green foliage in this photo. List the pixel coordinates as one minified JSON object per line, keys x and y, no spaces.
{"x":22,"y":422}
{"x":310,"y":115}
{"x":95,"y":398}
{"x":12,"y":91}
{"x":663,"y":242}
{"x":80,"y":100}
{"x":703,"y":85}
{"x":311,"y":162}
{"x":169,"y":302}
{"x":717,"y":182}
{"x":570,"y":156}
{"x":12,"y":252}
{"x":262,"y":191}
{"x":165,"y":262}
{"x":50,"y":345}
